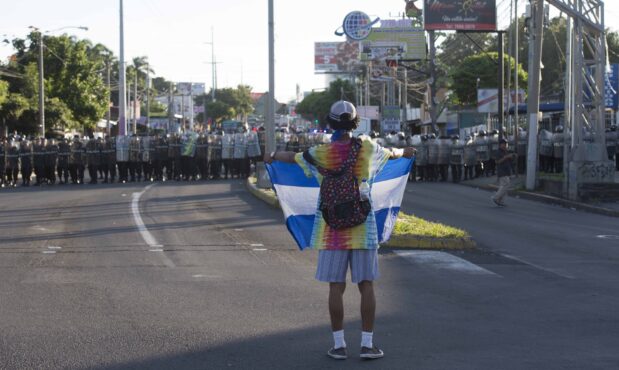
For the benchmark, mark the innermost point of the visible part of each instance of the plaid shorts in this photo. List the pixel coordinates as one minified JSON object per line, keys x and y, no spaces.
{"x":333,"y":265}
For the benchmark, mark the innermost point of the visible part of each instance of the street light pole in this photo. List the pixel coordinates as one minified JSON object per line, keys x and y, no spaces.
{"x":122,"y":79}
{"x":41,"y":87}
{"x":270,"y":121}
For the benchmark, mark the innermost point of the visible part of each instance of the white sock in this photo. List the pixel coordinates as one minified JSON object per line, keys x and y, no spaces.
{"x":366,"y":339}
{"x":338,"y":339}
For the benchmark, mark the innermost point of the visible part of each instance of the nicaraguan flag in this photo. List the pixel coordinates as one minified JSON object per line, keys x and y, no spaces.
{"x":298,"y":197}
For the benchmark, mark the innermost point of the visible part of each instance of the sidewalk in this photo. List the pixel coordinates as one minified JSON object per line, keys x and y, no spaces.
{"x":517,"y":190}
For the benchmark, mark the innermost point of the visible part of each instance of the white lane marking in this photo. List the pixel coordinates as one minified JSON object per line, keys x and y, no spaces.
{"x":539,"y":267}
{"x":612,"y":237}
{"x":238,"y":229}
{"x":443,"y":261}
{"x":123,"y":195}
{"x":54,"y":247}
{"x":259,"y":249}
{"x":49,"y":252}
{"x":256,"y":245}
{"x":149,"y":239}
{"x":137,"y":218}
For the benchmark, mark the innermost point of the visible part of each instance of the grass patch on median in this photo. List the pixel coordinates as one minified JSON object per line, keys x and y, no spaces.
{"x":408,"y":225}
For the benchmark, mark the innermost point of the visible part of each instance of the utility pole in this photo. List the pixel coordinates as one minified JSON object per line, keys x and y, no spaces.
{"x":535,"y":59}
{"x":41,"y":87}
{"x":109,"y":88}
{"x":433,"y":110}
{"x":122,"y":79}
{"x":171,"y":105}
{"x":516,"y":82}
{"x":569,"y":119}
{"x":135,"y":103}
{"x":501,"y":83}
{"x":270,"y":122}
{"x":147,"y":96}
{"x":191,"y":107}
{"x":131,"y":108}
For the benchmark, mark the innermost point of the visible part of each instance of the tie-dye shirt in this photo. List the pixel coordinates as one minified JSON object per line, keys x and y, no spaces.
{"x":370,"y":161}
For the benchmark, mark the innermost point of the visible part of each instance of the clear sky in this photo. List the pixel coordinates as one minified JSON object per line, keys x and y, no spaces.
{"x":173,"y":34}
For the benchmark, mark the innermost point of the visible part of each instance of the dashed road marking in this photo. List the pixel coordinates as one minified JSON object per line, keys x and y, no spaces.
{"x":611,"y":237}
{"x":259,"y":249}
{"x":256,"y":245}
{"x":539,"y":267}
{"x":52,"y":247}
{"x":49,"y":252}
{"x":443,"y":261}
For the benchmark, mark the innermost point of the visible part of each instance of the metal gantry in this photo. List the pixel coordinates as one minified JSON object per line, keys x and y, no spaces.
{"x":585,"y":79}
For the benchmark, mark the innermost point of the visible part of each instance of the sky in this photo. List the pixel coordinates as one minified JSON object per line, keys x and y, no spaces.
{"x":174,"y":34}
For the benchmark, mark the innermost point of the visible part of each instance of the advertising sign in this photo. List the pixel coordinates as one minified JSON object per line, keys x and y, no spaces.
{"x":391,"y":118}
{"x":488,"y":100}
{"x":462,"y":15}
{"x":189,"y":88}
{"x":611,"y":86}
{"x":369,"y":111}
{"x":394,"y":43}
{"x":335,"y":57}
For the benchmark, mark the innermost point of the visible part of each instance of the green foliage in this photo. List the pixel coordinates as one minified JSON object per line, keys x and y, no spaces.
{"x":4,"y":92}
{"x":485,"y":68}
{"x":230,"y":103}
{"x":75,"y":93}
{"x":12,"y":110}
{"x":317,"y":104}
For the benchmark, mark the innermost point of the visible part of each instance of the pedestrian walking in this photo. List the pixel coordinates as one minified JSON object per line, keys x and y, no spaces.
{"x":346,"y":233}
{"x":505,"y":164}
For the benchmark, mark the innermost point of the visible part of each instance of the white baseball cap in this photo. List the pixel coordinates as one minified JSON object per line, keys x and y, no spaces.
{"x":342,"y":107}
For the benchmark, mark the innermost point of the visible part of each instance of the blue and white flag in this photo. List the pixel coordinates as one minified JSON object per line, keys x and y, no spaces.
{"x":298,"y":196}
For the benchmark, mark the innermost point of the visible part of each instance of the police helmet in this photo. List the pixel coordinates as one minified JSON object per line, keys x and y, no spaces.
{"x":559,"y":128}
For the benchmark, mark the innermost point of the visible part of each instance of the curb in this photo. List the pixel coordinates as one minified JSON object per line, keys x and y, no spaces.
{"x":419,"y":242}
{"x":396,"y":241}
{"x":262,"y":195}
{"x":549,"y":199}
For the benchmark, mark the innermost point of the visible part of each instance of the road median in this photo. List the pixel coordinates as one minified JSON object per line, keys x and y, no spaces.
{"x":410,"y":232}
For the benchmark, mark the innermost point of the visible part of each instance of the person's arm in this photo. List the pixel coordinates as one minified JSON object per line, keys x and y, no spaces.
{"x":287,"y":157}
{"x":507,"y":157}
{"x":408,"y":152}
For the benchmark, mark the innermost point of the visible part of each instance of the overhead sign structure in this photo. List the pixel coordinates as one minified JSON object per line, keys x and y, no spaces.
{"x":335,"y":57}
{"x":460,"y":15}
{"x":397,"y":43}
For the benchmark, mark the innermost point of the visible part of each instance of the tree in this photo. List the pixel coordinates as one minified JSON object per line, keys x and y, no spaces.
{"x":317,"y":104}
{"x":482,"y":68}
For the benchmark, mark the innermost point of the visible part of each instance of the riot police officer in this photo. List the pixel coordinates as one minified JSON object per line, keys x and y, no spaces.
{"x":456,"y":159}
{"x":161,"y":158}
{"x":92,"y":159}
{"x":483,"y":156}
{"x":122,"y":157}
{"x":51,"y":157}
{"x":444,"y":153}
{"x":545,"y":151}
{"x":432,"y":167}
{"x":227,"y":153}
{"x":558,"y":141}
{"x":38,"y":159}
{"x":76,"y":161}
{"x":134,"y":159}
{"x":64,"y":151}
{"x":421,"y":159}
{"x":12,"y":163}
{"x":470,"y":158}
{"x":214,"y":154}
{"x":3,"y":148}
{"x":25,"y":158}
{"x":202,"y":156}
{"x":611,"y":142}
{"x":493,"y":147}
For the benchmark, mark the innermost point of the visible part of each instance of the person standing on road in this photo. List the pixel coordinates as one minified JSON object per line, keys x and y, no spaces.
{"x":505,"y":163}
{"x":356,"y":246}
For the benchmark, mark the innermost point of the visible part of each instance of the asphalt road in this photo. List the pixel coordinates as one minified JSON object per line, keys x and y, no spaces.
{"x":204,"y":276}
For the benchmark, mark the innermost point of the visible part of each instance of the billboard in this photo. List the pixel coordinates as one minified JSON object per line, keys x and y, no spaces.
{"x":461,"y":15}
{"x":189,"y":88}
{"x":611,"y":86}
{"x":395,"y":43}
{"x":488,"y":100}
{"x":335,"y":57}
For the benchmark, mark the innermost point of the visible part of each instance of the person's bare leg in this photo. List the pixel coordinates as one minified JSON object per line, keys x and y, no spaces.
{"x":368,"y":305}
{"x":336,"y":305}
